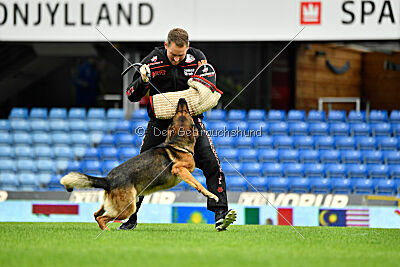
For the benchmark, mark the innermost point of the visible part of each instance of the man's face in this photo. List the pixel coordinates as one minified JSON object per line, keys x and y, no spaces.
{"x":175,"y":53}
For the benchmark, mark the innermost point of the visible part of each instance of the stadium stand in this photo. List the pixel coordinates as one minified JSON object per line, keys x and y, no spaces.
{"x":296,"y":152}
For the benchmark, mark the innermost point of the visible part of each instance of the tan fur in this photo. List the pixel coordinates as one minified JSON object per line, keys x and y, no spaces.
{"x":75,"y":180}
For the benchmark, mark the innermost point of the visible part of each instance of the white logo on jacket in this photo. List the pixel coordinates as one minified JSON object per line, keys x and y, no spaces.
{"x":189,"y":58}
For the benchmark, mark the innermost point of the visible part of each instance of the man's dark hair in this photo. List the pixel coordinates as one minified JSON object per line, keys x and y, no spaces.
{"x":179,"y":36}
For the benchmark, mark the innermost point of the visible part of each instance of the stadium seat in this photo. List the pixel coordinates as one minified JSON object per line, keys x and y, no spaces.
{"x":336,"y":170}
{"x":126,"y":153}
{"x":92,"y":166}
{"x":138,"y":127}
{"x":381,"y":129}
{"x":223,"y":141}
{"x":309,"y":156}
{"x":394,"y":170}
{"x":324,"y":142}
{"x":278,"y":128}
{"x":77,"y":126}
{"x":21,"y":138}
{"x":123,"y":127}
{"x":79,"y":150}
{"x":124,"y":140}
{"x":80,"y":138}
{"x":350,"y":156}
{"x":60,"y":139}
{"x":356,"y":116}
{"x":263,"y":141}
{"x":230,"y":154}
{"x":293,"y":170}
{"x":251,"y":169}
{"x":63,"y":152}
{"x":236,"y":115}
{"x":288,"y":155}
{"x":95,"y":137}
{"x":54,"y":183}
{"x":391,"y":157}
{"x":283,"y":141}
{"x":388,"y":143}
{"x":276,"y":115}
{"x":8,"y":165}
{"x":5,"y":138}
{"x":362,"y":186}
{"x":267,"y":155}
{"x":357,"y":171}
{"x":296,"y":115}
{"x":378,"y":171}
{"x":26,"y":165}
{"x":27,"y":181}
{"x":96,"y":113}
{"x":336,"y":116}
{"x":107,"y":140}
{"x":257,"y":115}
{"x":5,"y":126}
{"x":39,"y":126}
{"x":140,"y":114}
{"x":312,"y":170}
{"x":97,"y":126}
{"x":329,"y":156}
{"x":360,"y":129}
{"x":341,"y":186}
{"x":318,"y":128}
{"x":57,"y":125}
{"x":303,"y":142}
{"x":395,"y":116}
{"x":366,"y":143}
{"x":116,"y":114}
{"x":378,"y":116}
{"x":299,"y":185}
{"x":320,"y":185}
{"x":112,"y":125}
{"x":231,"y":168}
{"x":43,"y":152}
{"x":316,"y":116}
{"x":58,"y":114}
{"x":217,"y":126}
{"x":77,"y":114}
{"x":18,"y":114}
{"x":345,"y":142}
{"x":278,"y":184}
{"x":38,"y":113}
{"x":339,"y":128}
{"x":108,"y":153}
{"x":6,"y":152}
{"x":215,"y":115}
{"x":244,"y":142}
{"x":238,"y":126}
{"x":272,"y":170}
{"x":395,"y":129}
{"x":236,"y":184}
{"x":247,"y":155}
{"x":91,"y":153}
{"x":74,"y":166}
{"x":20,"y":126}
{"x":61,"y":165}
{"x":23,"y":152}
{"x":372,"y":156}
{"x":108,"y":165}
{"x":385,"y":187}
{"x":260,"y":184}
{"x":298,"y":128}
{"x":46,"y":166}
{"x":8,"y":181}
{"x":258,"y":126}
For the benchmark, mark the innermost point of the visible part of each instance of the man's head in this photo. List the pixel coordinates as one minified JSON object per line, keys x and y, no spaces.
{"x":177,"y":45}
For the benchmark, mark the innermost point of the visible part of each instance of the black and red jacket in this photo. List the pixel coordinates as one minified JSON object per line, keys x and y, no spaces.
{"x":164,"y":76}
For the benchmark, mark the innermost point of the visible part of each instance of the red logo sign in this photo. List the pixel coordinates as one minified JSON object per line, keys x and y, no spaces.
{"x":220,"y":189}
{"x":310,"y":13}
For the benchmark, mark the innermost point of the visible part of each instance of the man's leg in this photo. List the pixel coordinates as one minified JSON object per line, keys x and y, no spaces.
{"x":152,"y":138}
{"x":207,"y":160}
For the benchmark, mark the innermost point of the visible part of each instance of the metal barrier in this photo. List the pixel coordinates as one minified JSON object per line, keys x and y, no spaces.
{"x":331,"y":100}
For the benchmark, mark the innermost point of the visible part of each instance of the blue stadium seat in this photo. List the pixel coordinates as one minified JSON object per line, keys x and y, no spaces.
{"x":5,"y":138}
{"x":264,"y":141}
{"x":123,"y":127}
{"x":395,"y":116}
{"x":96,"y":113}
{"x":345,"y":142}
{"x":357,"y":171}
{"x":260,"y":183}
{"x":288,"y":155}
{"x":391,"y":157}
{"x":26,"y":165}
{"x":223,"y":141}
{"x":27,"y":181}
{"x":54,"y":183}
{"x":293,"y":170}
{"x":394,"y":170}
{"x":276,"y":115}
{"x":108,"y":153}
{"x":395,"y":129}
{"x":95,"y":137}
{"x":61,"y":165}
{"x":378,"y":171}
{"x":312,"y":170}
{"x":236,"y":115}
{"x":231,"y":168}
{"x":23,"y":152}
{"x":21,"y":138}
{"x":217,"y":126}
{"x":215,"y":115}
{"x":278,"y":128}
{"x":97,"y":125}
{"x":362,"y":186}
{"x":366,"y":143}
{"x":20,"y":126}
{"x":336,"y":170}
{"x":5,"y":126}
{"x":320,"y":185}
{"x":43,"y":152}
{"x":299,"y":185}
{"x":80,"y":138}
{"x":258,"y":126}
{"x":79,"y":150}
{"x":272,"y":170}
{"x":91,"y":153}
{"x":18,"y":114}
{"x":77,"y":125}
{"x":107,"y":140}
{"x":385,"y":187}
{"x":372,"y":156}
{"x":60,"y":139}
{"x":138,"y":127}
{"x":244,"y":142}
{"x":230,"y":154}
{"x":309,"y":156}
{"x":318,"y":128}
{"x":8,"y":165}
{"x":108,"y":165}
{"x":92,"y":166}
{"x":296,"y":115}
{"x":77,"y":114}
{"x":115,"y":114}
{"x":57,"y":125}
{"x":6,"y":152}
{"x":251,"y":169}
{"x":247,"y":155}
{"x":303,"y":142}
{"x":58,"y":114}
{"x":356,"y":116}
{"x":360,"y":129}
{"x":337,"y":116}
{"x":236,"y":184}
{"x":329,"y":156}
{"x":8,"y":181}
{"x":278,"y":184}
{"x":381,"y":129}
{"x":39,"y":126}
{"x":74,"y":166}
{"x":237,"y":126}
{"x":350,"y":156}
{"x":341,"y":186}
{"x":283,"y":141}
{"x":378,"y":116}
{"x":267,"y":155}
{"x":38,"y":113}
{"x":126,"y":153}
{"x":324,"y":142}
{"x":298,"y":128}
{"x":63,"y":152}
{"x":388,"y":143}
{"x":46,"y":166}
{"x":257,"y":115}
{"x":339,"y":128}
{"x":316,"y":116}
{"x":124,"y":140}
{"x":140,"y":114}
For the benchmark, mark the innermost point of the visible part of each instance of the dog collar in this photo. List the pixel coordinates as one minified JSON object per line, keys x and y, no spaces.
{"x":182,"y":149}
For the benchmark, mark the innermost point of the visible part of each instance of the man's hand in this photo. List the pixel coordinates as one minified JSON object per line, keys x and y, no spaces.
{"x":201,"y":62}
{"x":145,"y":72}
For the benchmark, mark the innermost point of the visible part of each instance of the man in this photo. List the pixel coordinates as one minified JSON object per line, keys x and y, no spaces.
{"x":169,"y":69}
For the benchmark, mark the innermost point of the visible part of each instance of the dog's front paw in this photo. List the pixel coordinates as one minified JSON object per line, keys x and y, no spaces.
{"x":214,"y":197}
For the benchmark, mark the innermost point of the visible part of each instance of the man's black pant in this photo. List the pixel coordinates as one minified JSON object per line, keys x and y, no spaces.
{"x":205,"y":158}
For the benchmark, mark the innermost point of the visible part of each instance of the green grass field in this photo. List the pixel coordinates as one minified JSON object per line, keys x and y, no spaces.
{"x":74,"y":244}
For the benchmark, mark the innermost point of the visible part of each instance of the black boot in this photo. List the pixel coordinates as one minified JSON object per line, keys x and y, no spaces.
{"x":224,"y":218}
{"x":132,"y":222}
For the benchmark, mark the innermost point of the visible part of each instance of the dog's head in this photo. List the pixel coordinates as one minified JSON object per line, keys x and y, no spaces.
{"x":182,"y":130}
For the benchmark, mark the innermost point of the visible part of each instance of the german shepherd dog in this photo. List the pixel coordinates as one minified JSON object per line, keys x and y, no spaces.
{"x":159,"y":168}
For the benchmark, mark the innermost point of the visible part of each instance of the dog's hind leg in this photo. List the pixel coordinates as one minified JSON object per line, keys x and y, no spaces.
{"x":99,"y":212}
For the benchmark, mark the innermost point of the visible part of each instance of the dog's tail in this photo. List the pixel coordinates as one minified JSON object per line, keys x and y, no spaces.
{"x":79,"y":180}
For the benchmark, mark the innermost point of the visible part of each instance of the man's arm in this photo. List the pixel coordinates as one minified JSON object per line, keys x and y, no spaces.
{"x":138,"y":87}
